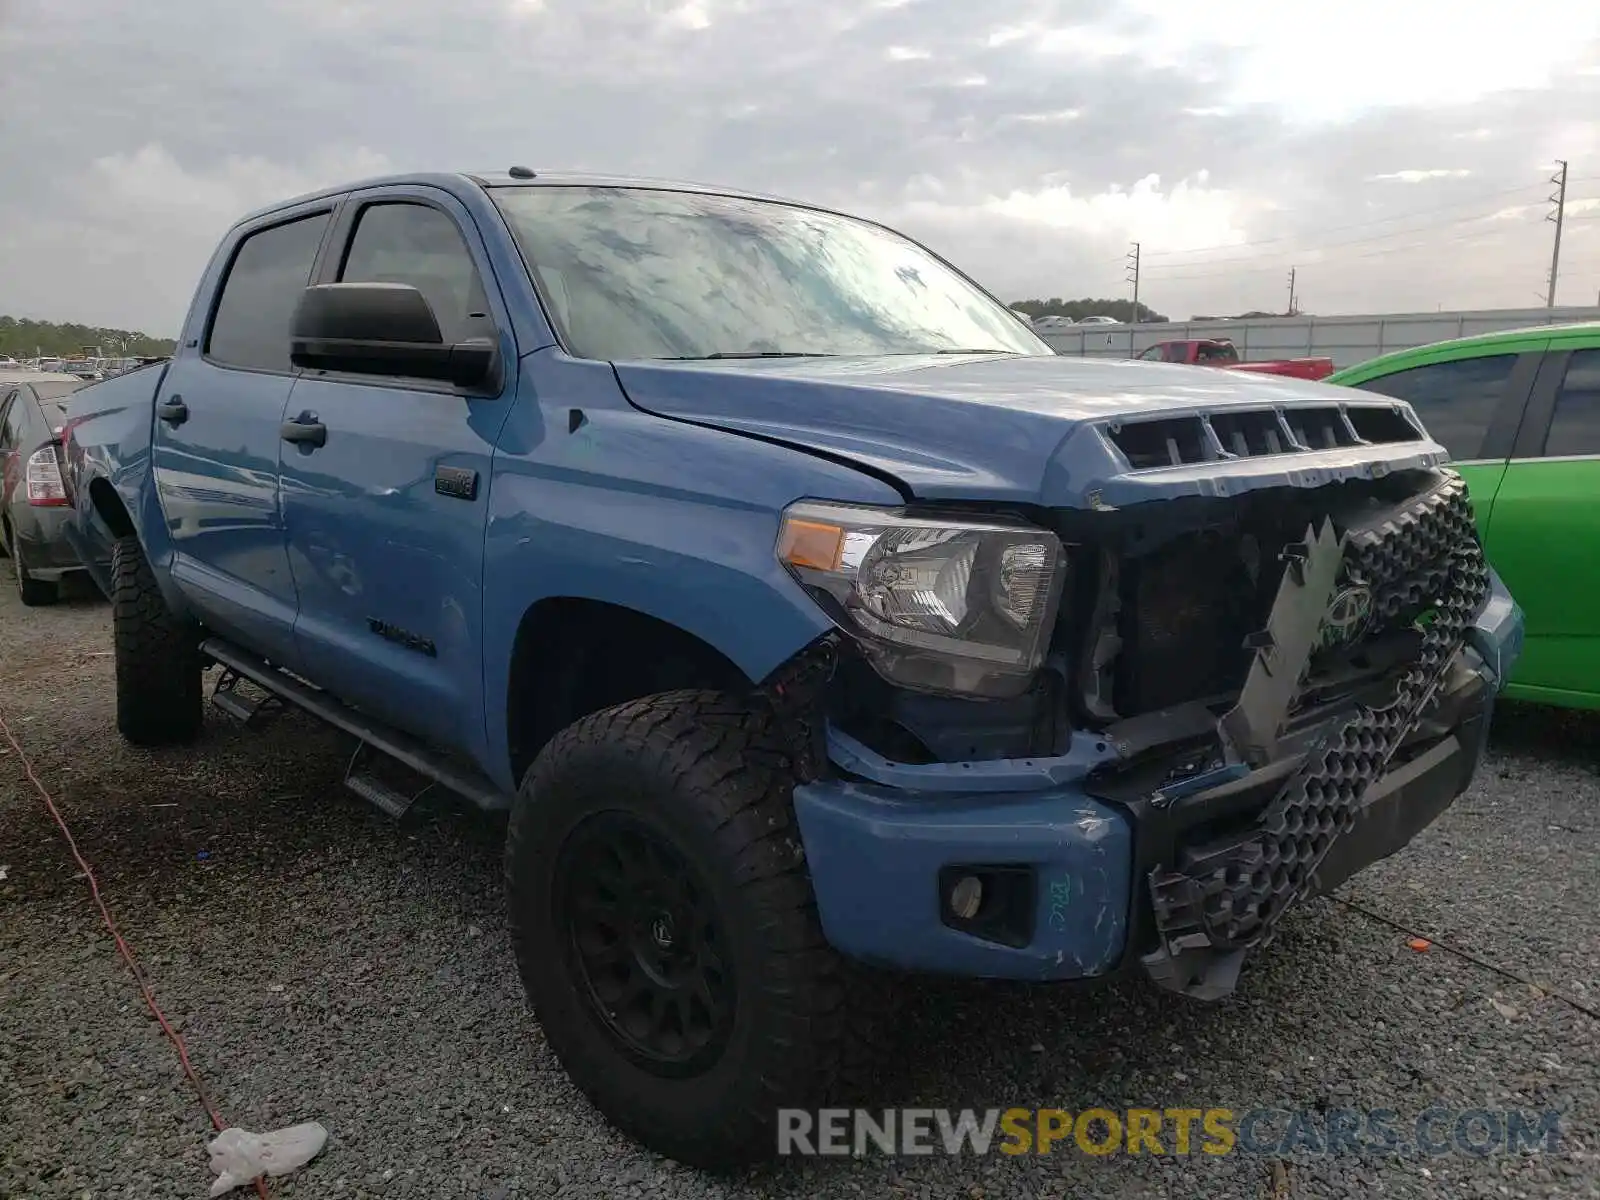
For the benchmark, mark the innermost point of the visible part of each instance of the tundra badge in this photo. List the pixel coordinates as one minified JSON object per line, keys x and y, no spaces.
{"x":459,"y":482}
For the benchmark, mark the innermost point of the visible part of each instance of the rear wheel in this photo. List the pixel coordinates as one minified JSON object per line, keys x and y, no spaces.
{"x":666,"y":931}
{"x":160,"y":698}
{"x":33,"y":592}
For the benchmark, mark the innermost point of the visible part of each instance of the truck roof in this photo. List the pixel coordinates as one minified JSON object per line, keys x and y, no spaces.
{"x":513,"y":177}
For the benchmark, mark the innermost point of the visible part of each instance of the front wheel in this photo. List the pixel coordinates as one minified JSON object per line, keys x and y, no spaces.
{"x":665,"y":927}
{"x":160,"y":693}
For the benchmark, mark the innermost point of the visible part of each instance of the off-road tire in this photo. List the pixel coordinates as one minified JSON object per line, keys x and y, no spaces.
{"x":160,"y":697}
{"x":34,"y":593}
{"x":708,"y":768}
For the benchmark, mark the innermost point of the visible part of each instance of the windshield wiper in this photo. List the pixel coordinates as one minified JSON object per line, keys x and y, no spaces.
{"x":752,"y":354}
{"x":985,"y":350}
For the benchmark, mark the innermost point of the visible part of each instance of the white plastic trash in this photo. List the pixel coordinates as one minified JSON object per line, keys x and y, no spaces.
{"x":239,"y":1157}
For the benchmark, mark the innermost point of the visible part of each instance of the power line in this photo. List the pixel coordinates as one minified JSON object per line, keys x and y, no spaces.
{"x":1188,"y":271}
{"x":1313,"y":247}
{"x":1414,"y":213}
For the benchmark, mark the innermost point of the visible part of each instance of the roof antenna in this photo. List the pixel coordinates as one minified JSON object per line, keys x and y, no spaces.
{"x":521,"y":173}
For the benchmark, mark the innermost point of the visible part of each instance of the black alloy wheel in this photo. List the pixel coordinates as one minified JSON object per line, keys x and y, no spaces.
{"x":666,"y":930}
{"x":644,"y":940}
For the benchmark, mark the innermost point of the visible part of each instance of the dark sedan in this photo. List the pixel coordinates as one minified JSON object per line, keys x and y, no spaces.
{"x":33,"y":502}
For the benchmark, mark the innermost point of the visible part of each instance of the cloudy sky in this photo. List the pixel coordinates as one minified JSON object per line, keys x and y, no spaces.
{"x":1395,"y":154}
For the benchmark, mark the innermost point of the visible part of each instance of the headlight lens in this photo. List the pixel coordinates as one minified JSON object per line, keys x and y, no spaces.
{"x":955,"y":606}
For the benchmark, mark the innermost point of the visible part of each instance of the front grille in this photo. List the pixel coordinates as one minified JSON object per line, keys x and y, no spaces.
{"x":1186,"y":613}
{"x":1187,"y":609}
{"x":1423,"y":564}
{"x":1249,"y":433}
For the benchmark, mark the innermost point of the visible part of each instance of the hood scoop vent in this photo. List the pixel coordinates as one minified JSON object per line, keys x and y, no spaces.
{"x":1252,"y":433}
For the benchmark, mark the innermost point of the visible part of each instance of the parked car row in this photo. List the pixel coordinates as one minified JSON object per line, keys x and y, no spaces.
{"x":85,"y":367}
{"x":1057,"y":321}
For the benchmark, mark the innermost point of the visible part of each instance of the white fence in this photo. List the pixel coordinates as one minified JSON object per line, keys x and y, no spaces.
{"x":1346,"y":340}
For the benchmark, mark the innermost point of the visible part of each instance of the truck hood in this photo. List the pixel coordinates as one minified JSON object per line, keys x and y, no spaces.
{"x":1052,"y":430}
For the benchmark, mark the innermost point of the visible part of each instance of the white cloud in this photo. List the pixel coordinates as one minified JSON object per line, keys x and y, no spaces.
{"x":1048,"y":118}
{"x":1179,"y":218}
{"x":1416,"y":176}
{"x":1363,"y":54}
{"x":692,"y":15}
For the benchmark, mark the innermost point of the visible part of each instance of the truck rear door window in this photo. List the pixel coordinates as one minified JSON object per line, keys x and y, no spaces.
{"x":269,"y":271}
{"x":1575,"y":426}
{"x":1456,"y":399}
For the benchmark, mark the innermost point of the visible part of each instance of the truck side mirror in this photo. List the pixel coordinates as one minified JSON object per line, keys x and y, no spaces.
{"x":385,"y":329}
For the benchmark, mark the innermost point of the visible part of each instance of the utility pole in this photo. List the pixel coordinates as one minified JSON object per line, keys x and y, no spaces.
{"x":1291,"y":291}
{"x":1560,"y":201}
{"x":1133,"y":278}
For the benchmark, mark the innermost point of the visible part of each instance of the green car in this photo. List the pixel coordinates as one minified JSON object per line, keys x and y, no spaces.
{"x":1519,"y":412}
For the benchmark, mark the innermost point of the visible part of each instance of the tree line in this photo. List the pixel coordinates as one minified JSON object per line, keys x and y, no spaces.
{"x":1122,"y":310}
{"x":23,"y":337}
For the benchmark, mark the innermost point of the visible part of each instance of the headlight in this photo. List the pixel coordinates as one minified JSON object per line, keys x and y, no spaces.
{"x":939,"y":605}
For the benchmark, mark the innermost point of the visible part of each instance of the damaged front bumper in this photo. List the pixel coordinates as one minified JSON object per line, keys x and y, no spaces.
{"x":1078,"y":882}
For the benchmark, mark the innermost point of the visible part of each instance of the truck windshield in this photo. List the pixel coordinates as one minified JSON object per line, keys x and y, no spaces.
{"x":631,"y":273}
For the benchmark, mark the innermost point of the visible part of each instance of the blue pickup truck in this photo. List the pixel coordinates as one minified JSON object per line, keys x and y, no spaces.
{"x":807,"y":614}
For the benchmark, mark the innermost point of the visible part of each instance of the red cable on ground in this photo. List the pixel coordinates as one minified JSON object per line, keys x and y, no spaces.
{"x":122,"y":946}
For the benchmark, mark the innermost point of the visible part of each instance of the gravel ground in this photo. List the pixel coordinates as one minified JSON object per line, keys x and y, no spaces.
{"x":324,"y":963}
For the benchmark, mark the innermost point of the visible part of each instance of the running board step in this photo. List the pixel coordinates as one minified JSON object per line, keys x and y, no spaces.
{"x":377,"y":792}
{"x":241,"y":708}
{"x":235,"y":705}
{"x":372,"y":733}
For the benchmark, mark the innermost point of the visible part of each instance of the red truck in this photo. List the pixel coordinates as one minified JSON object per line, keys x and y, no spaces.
{"x":1220,"y":352}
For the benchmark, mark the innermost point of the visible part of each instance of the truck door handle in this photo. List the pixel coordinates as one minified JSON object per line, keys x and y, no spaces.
{"x":174,"y":411}
{"x":304,"y":430}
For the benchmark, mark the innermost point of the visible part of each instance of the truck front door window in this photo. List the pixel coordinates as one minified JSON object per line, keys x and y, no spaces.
{"x":270,"y":270}
{"x":421,"y":246}
{"x":1456,"y":399}
{"x":1575,"y":427}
